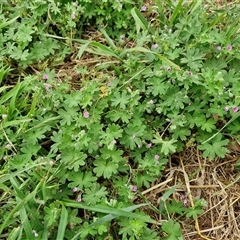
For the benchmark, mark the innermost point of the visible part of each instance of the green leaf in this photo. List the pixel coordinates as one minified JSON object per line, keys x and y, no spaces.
{"x":209,"y":125}
{"x":105,"y":168}
{"x":63,"y":223}
{"x":193,"y":212}
{"x":167,"y":146}
{"x":172,"y":229}
{"x":120,"y":99}
{"x":175,"y":207}
{"x":217,"y":148}
{"x":94,"y":194}
{"x":81,"y":179}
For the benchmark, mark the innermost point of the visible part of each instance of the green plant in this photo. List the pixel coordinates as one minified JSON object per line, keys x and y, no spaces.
{"x":25,"y":27}
{"x":73,"y":161}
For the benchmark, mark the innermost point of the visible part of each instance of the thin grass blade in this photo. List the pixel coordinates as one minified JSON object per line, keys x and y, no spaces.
{"x":108,"y":210}
{"x":63,"y":223}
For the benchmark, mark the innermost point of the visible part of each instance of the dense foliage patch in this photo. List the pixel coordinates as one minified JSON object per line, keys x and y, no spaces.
{"x":73,"y":161}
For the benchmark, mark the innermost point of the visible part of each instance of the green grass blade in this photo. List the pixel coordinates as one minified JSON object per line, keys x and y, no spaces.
{"x":214,"y":135}
{"x":63,"y":223}
{"x":22,"y":211}
{"x":141,"y":22}
{"x":8,"y":176}
{"x":14,"y":123}
{"x":99,"y":49}
{"x":33,"y":105}
{"x":108,"y":210}
{"x":216,"y":21}
{"x":109,"y":40}
{"x":3,"y":72}
{"x":82,"y":50}
{"x":15,"y":233}
{"x":9,"y":94}
{"x":2,"y":25}
{"x":110,"y":217}
{"x":19,"y":206}
{"x":145,"y":50}
{"x":2,"y":89}
{"x":161,"y":12}
{"x":178,"y":9}
{"x":169,"y":192}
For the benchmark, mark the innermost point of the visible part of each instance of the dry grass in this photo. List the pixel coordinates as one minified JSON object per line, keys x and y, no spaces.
{"x":215,"y":181}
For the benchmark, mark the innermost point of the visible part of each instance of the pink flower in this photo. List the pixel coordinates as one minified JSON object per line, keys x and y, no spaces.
{"x":79,"y":199}
{"x":235,"y":109}
{"x":229,"y":47}
{"x":86,"y":114}
{"x":226,"y":109}
{"x":151,"y":101}
{"x":75,"y":189}
{"x":182,"y":196}
{"x":134,"y":188}
{"x":45,"y":76}
{"x":143,"y":8}
{"x":185,"y":202}
{"x":155,"y":46}
{"x":219,"y":48}
{"x":156,"y":157}
{"x":149,"y":145}
{"x":73,"y":16}
{"x":47,"y":87}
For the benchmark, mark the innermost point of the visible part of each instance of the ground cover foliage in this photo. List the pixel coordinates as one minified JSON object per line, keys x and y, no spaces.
{"x":82,"y":145}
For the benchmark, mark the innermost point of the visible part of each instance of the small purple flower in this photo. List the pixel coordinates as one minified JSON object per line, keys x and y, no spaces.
{"x":134,"y":188}
{"x":229,"y":47}
{"x":45,"y":76}
{"x":190,"y":73}
{"x":79,"y":199}
{"x":73,"y":16}
{"x":185,"y":202}
{"x":156,"y":157}
{"x":149,"y":145}
{"x":155,"y":45}
{"x":47,"y":87}
{"x":235,"y":109}
{"x":143,"y":8}
{"x":182,"y":197}
{"x":75,"y":189}
{"x":151,"y":101}
{"x":219,"y":48}
{"x":86,"y":114}
{"x":226,"y":109}
{"x":169,"y":69}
